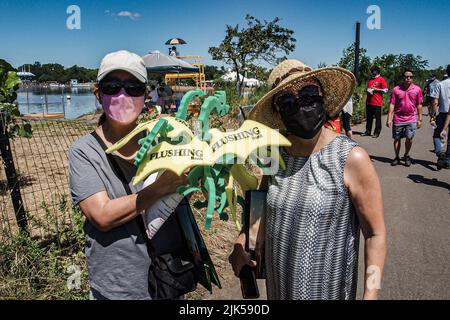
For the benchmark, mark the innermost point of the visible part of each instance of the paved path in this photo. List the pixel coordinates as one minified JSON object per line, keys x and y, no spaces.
{"x":417,"y":214}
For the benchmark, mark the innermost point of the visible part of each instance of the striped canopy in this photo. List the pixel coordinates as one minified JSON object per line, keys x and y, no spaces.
{"x":175,"y":41}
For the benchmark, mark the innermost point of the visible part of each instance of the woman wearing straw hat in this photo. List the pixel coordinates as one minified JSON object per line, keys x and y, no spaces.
{"x":327,"y":192}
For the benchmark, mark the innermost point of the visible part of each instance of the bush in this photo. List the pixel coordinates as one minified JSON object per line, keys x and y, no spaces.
{"x":35,"y":269}
{"x":359,"y":104}
{"x":233,"y":98}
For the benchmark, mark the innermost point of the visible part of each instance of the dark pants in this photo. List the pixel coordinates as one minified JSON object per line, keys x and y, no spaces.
{"x":373,"y":111}
{"x":346,"y":120}
{"x":438,"y":145}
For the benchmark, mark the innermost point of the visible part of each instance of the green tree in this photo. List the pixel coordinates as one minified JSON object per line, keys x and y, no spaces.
{"x":57,"y":72}
{"x":348,"y":62}
{"x":392,"y":67}
{"x":9,"y":84}
{"x":258,"y":72}
{"x":439,"y":72}
{"x":213,"y":72}
{"x":387,"y":64}
{"x":256,"y":42}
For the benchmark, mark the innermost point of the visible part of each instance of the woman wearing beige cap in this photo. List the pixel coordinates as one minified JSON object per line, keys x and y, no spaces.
{"x":116,"y":251}
{"x":328,"y":191}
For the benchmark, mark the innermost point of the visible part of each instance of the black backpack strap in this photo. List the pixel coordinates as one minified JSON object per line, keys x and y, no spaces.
{"x":113,"y":163}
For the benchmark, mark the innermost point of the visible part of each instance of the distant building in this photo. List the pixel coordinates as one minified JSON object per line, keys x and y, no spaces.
{"x":232,"y":76}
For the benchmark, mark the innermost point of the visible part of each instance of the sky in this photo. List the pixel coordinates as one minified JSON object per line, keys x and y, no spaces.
{"x":37,"y":30}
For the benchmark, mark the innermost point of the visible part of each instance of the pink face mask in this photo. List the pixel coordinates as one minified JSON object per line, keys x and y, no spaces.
{"x":123,"y":107}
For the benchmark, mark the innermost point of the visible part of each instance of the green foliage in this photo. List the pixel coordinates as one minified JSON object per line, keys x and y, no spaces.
{"x":257,"y":94}
{"x":233,"y":98}
{"x":145,"y":117}
{"x":258,"y":41}
{"x":56,"y":72}
{"x":9,"y":84}
{"x":258,"y":72}
{"x":391,"y":67}
{"x":348,"y":62}
{"x":213,"y":72}
{"x":359,"y":104}
{"x":34,"y":269}
{"x":154,"y":78}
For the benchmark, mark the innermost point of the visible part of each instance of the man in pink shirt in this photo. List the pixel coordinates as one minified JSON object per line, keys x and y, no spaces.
{"x":406,"y":107}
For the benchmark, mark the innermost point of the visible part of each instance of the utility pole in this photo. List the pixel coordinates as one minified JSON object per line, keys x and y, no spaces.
{"x":356,"y":64}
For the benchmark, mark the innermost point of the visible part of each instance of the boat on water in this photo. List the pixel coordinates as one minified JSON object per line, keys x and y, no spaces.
{"x":74,"y":84}
{"x":56,"y":85}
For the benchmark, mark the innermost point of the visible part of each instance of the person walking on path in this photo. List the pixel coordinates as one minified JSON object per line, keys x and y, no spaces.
{"x":376,"y":87}
{"x":347,"y":118}
{"x":429,"y":87}
{"x":441,"y":104}
{"x":405,"y":115}
{"x":444,"y":161}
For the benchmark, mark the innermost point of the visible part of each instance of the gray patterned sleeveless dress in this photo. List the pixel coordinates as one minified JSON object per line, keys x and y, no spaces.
{"x":312,"y":231}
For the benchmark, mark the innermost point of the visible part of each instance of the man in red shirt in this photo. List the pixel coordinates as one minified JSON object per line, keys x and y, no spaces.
{"x":375,"y":89}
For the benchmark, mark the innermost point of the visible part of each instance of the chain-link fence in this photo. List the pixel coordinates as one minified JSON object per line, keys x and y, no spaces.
{"x":41,"y":166}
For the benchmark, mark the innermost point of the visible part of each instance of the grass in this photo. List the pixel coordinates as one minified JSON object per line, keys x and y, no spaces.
{"x":32,"y":268}
{"x":42,"y":269}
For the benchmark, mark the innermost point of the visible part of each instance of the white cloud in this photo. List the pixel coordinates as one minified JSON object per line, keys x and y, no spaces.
{"x":131,"y":15}
{"x":128,"y":14}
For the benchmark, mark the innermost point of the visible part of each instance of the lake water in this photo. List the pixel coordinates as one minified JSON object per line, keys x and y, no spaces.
{"x":82,"y":101}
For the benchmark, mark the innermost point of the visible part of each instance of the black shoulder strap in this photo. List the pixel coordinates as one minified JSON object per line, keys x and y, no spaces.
{"x":121,"y":176}
{"x":113,"y":163}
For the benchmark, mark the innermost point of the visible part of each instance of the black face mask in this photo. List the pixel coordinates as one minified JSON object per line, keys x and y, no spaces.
{"x":303,"y":115}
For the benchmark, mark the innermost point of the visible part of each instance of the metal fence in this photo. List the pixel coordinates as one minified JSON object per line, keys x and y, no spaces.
{"x":41,"y":166}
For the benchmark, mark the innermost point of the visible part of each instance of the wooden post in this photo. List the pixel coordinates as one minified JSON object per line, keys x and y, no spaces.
{"x":11,"y":175}
{"x":62,"y":95}
{"x":357,"y":40}
{"x":46,"y":99}
{"x":28,"y":99}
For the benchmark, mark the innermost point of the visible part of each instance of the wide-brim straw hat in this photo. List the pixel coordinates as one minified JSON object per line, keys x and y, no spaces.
{"x":337,"y":85}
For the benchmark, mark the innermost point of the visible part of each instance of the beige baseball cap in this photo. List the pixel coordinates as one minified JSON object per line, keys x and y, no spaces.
{"x":123,"y":60}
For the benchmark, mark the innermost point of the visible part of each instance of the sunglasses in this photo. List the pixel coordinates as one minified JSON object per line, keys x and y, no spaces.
{"x":113,"y":87}
{"x":291,"y":101}
{"x":409,"y":77}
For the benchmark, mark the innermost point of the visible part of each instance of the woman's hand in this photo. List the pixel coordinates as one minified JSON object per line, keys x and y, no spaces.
{"x":372,"y":295}
{"x":239,"y":258}
{"x":170,"y":181}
